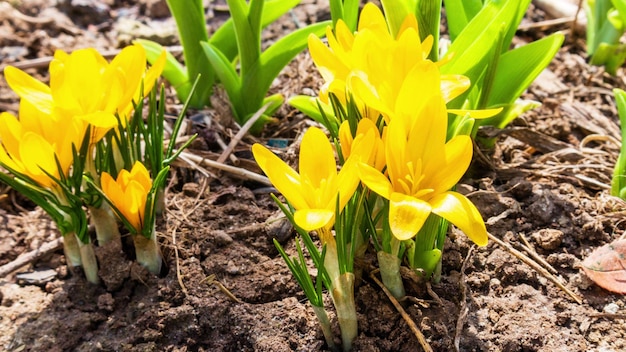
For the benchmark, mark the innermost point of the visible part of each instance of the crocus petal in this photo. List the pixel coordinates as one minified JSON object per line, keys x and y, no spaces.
{"x":10,"y":133}
{"x":461,"y":212}
{"x":347,"y":182}
{"x":406,"y":215}
{"x":453,"y":85}
{"x":317,"y":158}
{"x":135,"y":205}
{"x":441,"y":174}
{"x":284,"y":178}
{"x":28,"y":88}
{"x":37,"y":154}
{"x":313,"y":219}
{"x":372,"y":18}
{"x":140,"y":174}
{"x":101,"y":122}
{"x":476,"y":114}
{"x":375,"y":180}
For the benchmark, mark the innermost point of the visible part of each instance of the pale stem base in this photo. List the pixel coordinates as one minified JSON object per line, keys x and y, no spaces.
{"x":71,"y":250}
{"x":343,"y":298}
{"x":90,"y":264}
{"x":104,"y":221}
{"x":322,"y":317}
{"x":389,"y":265}
{"x":148,"y":253}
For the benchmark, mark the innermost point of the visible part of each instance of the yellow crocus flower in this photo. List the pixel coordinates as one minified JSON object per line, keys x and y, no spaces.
{"x":353,"y":145}
{"x":129,"y":193}
{"x":84,"y":85}
{"x":313,"y":192}
{"x":422,"y":167}
{"x":372,"y":65}
{"x":29,"y":145}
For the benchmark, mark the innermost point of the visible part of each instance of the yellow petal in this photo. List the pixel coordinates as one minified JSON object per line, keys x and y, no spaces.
{"x":347,"y":182}
{"x":345,"y":139}
{"x":136,"y":197}
{"x":101,"y":122}
{"x":372,"y":18}
{"x":11,"y":132}
{"x":28,"y":88}
{"x":317,"y":158}
{"x":461,"y":212}
{"x":375,"y":180}
{"x":406,"y":215}
{"x":284,"y":178}
{"x":313,"y":219}
{"x":453,"y":85}
{"x":37,"y":154}
{"x":140,"y":174}
{"x":152,"y":75}
{"x":476,"y":114}
{"x":441,"y":174}
{"x":112,"y":190}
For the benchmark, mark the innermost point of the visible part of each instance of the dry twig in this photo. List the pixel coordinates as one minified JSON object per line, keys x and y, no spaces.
{"x":31,"y":256}
{"x":535,"y":266}
{"x":463,"y":309}
{"x":240,"y":172}
{"x":242,"y":131}
{"x":418,"y":334}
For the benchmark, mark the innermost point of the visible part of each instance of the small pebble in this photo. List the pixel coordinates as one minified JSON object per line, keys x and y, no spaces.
{"x":611,"y":308}
{"x":231,"y":268}
{"x":222,"y":238}
{"x":548,"y":239}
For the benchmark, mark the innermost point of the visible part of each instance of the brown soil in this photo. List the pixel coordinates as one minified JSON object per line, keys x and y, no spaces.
{"x":544,"y":183}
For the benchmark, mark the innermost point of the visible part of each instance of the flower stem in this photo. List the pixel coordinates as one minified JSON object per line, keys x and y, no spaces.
{"x":389,"y":265}
{"x":342,"y":290}
{"x":90,"y":264}
{"x":322,"y":317}
{"x":343,"y":298}
{"x":148,"y":253}
{"x":71,"y":249}
{"x":104,"y":221}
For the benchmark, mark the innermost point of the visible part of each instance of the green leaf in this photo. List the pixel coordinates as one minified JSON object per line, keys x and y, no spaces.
{"x":189,"y":16}
{"x":618,"y":184}
{"x":223,"y":36}
{"x":518,"y":68}
{"x":469,"y":52}
{"x":396,"y":11}
{"x":227,"y":75}
{"x":276,"y":57}
{"x":247,"y":32}
{"x":174,"y":72}
{"x":459,"y":13}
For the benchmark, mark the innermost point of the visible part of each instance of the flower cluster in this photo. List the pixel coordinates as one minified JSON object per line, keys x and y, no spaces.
{"x":399,"y":166}
{"x":50,"y":148}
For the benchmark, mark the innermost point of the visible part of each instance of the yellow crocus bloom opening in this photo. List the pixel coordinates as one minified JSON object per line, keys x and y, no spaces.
{"x":129,"y":193}
{"x":31,"y":145}
{"x":85,"y":86}
{"x":313,"y":192}
{"x":372,"y":65}
{"x":422,"y":167}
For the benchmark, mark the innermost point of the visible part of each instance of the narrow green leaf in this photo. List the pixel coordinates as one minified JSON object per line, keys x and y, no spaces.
{"x":227,"y":75}
{"x":223,"y":36}
{"x":472,"y":46}
{"x":519,"y":67}
{"x":459,"y":13}
{"x":189,"y":16}
{"x":260,"y":77}
{"x":396,"y":11}
{"x":618,"y":184}
{"x":247,"y":34}
{"x":174,"y":72}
